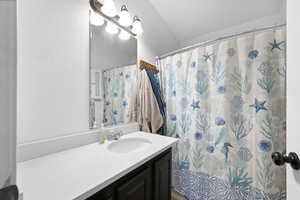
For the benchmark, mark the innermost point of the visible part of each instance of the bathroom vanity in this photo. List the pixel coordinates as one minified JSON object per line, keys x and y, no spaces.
{"x":151,"y":181}
{"x":135,"y":167}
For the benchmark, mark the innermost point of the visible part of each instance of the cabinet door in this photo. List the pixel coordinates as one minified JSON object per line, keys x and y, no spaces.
{"x":137,"y":188}
{"x":162,"y":177}
{"x":101,"y":198}
{"x":106,"y":194}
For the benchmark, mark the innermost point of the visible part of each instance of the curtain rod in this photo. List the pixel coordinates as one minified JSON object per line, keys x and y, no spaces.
{"x":215,"y":40}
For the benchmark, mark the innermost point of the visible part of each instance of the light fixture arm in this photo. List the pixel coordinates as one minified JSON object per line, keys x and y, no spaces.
{"x":96,"y":6}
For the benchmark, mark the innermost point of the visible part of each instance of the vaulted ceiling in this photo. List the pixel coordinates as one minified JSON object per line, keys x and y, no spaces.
{"x":191,"y":18}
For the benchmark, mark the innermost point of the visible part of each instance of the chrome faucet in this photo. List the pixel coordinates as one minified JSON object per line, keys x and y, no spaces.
{"x":114,"y":135}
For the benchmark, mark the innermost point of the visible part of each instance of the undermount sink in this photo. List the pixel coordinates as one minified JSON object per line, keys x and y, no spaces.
{"x":126,"y":145}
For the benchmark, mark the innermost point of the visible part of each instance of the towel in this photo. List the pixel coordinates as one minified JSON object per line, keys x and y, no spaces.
{"x":156,"y":90}
{"x":144,"y":108}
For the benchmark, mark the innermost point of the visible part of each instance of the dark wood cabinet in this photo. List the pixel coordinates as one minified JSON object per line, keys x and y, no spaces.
{"x":137,"y":188}
{"x":162,"y":178}
{"x":151,"y":181}
{"x":105,"y":194}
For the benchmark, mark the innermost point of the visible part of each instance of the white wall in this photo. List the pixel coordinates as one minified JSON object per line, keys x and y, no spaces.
{"x":293,"y":95}
{"x":53,"y":59}
{"x":8,"y":92}
{"x":157,"y":38}
{"x":146,"y":50}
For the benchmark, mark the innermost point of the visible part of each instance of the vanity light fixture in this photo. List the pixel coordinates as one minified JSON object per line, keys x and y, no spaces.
{"x":137,"y":26}
{"x":114,"y":23}
{"x":111,"y":28}
{"x":96,"y":19}
{"x":124,"y":35}
{"x":125,"y":19}
{"x":109,"y":8}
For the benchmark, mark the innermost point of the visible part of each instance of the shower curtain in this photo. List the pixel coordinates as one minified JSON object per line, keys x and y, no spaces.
{"x":119,"y":86}
{"x":226,"y":103}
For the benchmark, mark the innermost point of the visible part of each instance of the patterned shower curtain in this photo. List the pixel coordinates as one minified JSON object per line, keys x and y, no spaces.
{"x":226,"y":103}
{"x":119,"y":86}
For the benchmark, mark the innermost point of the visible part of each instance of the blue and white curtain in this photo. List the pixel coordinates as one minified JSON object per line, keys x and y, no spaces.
{"x":119,"y":86}
{"x":226,"y":103}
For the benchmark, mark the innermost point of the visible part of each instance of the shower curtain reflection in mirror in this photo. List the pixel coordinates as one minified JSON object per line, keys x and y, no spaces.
{"x":119,"y":86}
{"x":111,"y":94}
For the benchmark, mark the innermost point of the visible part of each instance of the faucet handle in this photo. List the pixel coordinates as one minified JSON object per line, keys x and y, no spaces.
{"x":109,"y":135}
{"x":113,"y":135}
{"x":120,"y":132}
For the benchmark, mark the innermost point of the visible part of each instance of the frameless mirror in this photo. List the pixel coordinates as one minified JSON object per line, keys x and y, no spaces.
{"x":113,"y":68}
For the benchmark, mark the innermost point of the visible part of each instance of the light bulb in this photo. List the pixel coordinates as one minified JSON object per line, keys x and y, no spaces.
{"x":137,"y":26}
{"x":111,"y":28}
{"x":125,"y":19}
{"x":124,"y":35}
{"x":109,"y":8}
{"x":96,"y":19}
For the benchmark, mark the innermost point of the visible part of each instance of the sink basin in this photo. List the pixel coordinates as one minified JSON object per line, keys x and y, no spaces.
{"x":126,"y":145}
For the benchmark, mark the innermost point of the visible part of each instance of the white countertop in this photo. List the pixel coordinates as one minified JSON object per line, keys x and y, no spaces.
{"x":80,"y":172}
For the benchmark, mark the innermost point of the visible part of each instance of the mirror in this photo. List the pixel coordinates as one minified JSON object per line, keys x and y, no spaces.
{"x":113,"y":69}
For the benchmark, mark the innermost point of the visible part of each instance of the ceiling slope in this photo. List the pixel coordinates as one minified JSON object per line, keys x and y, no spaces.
{"x":192,"y":18}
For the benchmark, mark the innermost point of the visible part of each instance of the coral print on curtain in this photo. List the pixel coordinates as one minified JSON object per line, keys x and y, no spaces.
{"x":119,"y":86}
{"x":226,"y":103}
